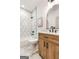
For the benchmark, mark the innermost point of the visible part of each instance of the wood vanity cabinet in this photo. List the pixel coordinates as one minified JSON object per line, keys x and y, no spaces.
{"x":48,"y":46}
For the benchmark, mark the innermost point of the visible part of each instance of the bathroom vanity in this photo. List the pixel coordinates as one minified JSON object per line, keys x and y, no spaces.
{"x":49,"y":46}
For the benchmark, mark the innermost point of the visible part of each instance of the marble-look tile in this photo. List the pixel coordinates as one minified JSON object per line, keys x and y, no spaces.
{"x":28,"y":53}
{"x":35,"y":56}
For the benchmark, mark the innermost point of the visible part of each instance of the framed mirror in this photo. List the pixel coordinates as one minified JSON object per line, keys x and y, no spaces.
{"x":52,"y":18}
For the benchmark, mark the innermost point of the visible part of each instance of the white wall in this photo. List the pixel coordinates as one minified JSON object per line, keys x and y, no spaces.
{"x":25,"y":23}
{"x":41,"y":9}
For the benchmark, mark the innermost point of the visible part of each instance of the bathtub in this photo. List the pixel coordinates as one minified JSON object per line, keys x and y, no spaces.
{"x":26,"y":46}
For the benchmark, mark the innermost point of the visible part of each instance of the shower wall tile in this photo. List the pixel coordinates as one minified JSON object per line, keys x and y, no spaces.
{"x":25,"y":23}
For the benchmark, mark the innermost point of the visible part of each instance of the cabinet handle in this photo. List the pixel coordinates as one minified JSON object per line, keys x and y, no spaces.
{"x":47,"y":45}
{"x":42,"y":57}
{"x":44,"y":44}
{"x":46,"y":37}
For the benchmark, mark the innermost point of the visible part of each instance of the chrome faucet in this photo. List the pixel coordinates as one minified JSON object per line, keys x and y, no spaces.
{"x":52,"y":29}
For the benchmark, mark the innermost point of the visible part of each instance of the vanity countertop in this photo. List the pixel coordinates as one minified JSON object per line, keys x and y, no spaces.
{"x":50,"y":33}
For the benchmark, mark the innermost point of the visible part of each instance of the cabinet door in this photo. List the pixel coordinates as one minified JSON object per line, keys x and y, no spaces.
{"x":42,"y":48}
{"x":50,"y":50}
{"x":56,"y":51}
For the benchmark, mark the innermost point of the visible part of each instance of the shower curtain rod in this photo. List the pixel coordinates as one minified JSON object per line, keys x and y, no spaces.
{"x":26,"y":10}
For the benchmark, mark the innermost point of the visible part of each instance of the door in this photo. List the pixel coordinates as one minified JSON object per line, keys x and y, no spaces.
{"x":50,"y":50}
{"x":56,"y":51}
{"x":42,"y":48}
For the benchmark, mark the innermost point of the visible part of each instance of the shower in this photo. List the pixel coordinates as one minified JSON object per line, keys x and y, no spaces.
{"x":25,"y":23}
{"x":27,"y":40}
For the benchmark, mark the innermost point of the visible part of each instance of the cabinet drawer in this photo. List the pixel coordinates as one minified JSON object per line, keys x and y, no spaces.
{"x":48,"y":36}
{"x":44,"y":36}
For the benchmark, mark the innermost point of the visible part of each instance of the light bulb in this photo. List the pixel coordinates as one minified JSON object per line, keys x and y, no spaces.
{"x":22,"y":6}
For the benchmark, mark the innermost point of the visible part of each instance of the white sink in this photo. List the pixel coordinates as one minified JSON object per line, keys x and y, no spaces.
{"x":47,"y":32}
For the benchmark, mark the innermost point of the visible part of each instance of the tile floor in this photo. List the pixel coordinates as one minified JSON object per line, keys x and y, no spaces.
{"x":27,"y":53}
{"x":35,"y":56}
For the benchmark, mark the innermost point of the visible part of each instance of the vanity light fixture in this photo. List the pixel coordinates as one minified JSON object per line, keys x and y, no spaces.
{"x":22,"y":6}
{"x":49,"y":5}
{"x":50,"y":0}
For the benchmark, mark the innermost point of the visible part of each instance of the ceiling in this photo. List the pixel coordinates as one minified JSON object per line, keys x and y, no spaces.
{"x":31,"y":4}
